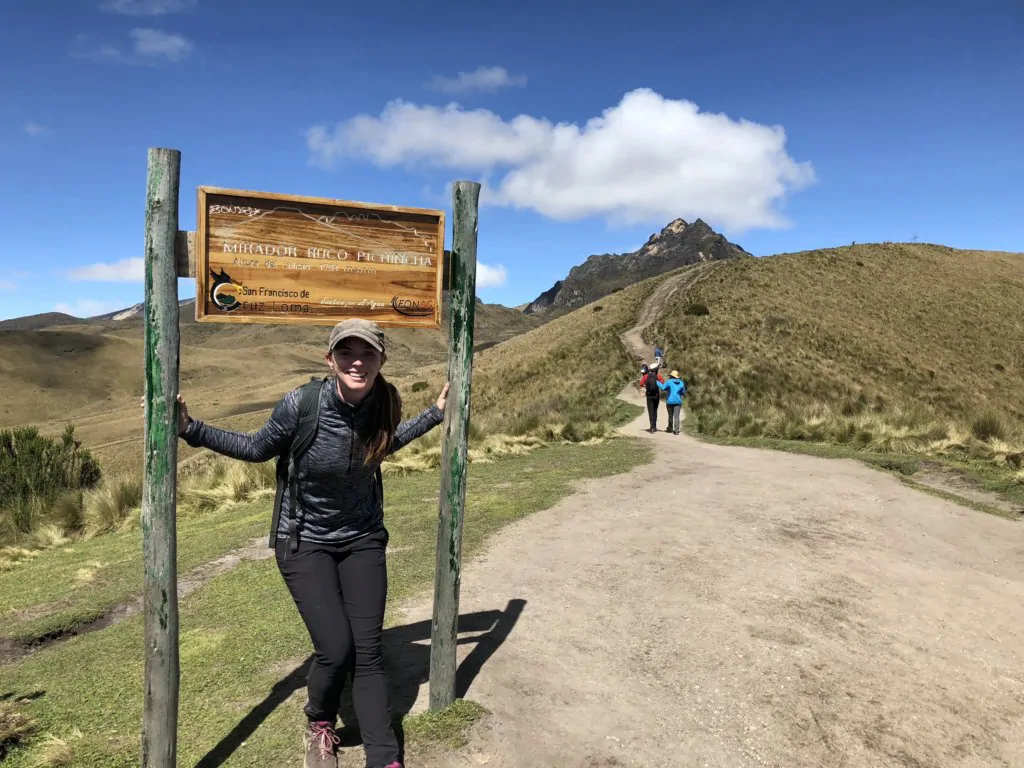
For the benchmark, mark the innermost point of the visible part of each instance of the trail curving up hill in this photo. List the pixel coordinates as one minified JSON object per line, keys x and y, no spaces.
{"x":732,"y":607}
{"x":632,"y":338}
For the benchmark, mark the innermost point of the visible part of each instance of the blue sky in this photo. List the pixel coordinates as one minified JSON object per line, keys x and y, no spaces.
{"x":787,"y":125}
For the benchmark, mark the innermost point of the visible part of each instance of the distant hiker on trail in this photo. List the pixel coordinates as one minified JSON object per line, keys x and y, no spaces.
{"x":676,"y":390}
{"x":659,"y":357}
{"x":328,"y":529}
{"x":650,"y":385}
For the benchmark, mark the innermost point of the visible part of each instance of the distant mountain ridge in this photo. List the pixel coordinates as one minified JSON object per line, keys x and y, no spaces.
{"x":677,"y":245}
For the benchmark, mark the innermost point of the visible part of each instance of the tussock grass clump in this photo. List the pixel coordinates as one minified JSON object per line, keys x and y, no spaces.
{"x":989,"y":426}
{"x":12,"y":556}
{"x":55,"y":752}
{"x":206,"y":484}
{"x":223,"y":481}
{"x":108,"y":506}
{"x":14,"y":726}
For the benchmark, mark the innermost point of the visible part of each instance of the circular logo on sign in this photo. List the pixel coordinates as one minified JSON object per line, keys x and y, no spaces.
{"x":224,"y":291}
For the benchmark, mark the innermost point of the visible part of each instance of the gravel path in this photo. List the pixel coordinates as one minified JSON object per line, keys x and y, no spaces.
{"x":737,"y":607}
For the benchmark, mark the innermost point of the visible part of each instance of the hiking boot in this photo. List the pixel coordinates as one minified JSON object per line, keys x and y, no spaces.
{"x":321,"y":744}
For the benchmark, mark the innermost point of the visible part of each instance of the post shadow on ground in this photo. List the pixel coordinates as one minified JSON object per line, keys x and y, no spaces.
{"x":407,"y":656}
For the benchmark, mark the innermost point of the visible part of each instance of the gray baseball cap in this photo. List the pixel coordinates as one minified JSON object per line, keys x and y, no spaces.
{"x":356,"y":327}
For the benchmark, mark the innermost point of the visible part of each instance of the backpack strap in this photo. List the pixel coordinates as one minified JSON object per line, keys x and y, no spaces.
{"x":306,"y":424}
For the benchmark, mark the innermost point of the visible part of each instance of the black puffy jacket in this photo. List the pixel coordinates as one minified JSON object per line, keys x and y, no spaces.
{"x":338,"y":494}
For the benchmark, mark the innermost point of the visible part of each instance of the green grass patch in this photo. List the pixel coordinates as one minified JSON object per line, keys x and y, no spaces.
{"x":448,"y":727}
{"x":240,"y":635}
{"x":60,"y":589}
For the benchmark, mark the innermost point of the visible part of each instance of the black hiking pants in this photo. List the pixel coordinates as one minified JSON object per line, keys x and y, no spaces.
{"x":652,"y":411}
{"x":340,"y":591}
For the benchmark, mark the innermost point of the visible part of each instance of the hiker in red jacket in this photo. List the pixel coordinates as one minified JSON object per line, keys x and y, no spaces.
{"x":649,"y":386}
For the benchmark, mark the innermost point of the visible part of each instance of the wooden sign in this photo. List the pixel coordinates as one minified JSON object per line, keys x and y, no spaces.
{"x":271,"y":258}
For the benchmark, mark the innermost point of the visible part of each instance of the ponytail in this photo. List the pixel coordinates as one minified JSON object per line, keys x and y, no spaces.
{"x":384,"y":419}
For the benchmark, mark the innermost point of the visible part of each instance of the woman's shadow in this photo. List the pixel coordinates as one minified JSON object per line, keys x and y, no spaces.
{"x":407,"y":655}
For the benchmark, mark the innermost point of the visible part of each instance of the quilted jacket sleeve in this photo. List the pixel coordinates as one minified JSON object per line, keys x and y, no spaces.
{"x":264,"y":444}
{"x":415,"y":427}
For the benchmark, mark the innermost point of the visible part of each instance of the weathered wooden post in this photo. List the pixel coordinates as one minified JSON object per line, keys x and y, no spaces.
{"x":448,"y":566}
{"x":159,"y":546}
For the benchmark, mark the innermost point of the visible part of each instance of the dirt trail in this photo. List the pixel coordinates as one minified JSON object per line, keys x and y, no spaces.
{"x":737,"y":607}
{"x":633,"y":339}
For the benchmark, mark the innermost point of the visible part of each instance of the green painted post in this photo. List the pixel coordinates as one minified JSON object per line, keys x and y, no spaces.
{"x":159,"y":547}
{"x":448,"y":566}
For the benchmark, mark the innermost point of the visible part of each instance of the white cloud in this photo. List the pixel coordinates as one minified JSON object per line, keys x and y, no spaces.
{"x":124,"y":271}
{"x":480,"y":79}
{"x":152,"y":43}
{"x":36,"y":129}
{"x":490,"y":277}
{"x":448,"y":137}
{"x":149,"y":47}
{"x":147,"y":7}
{"x":647,"y":159}
{"x":88,"y":307}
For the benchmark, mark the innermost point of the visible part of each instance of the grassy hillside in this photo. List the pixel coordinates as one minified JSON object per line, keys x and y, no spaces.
{"x":894,"y":347}
{"x":565,"y":372}
{"x":43,"y":320}
{"x":91,"y":373}
{"x":556,"y":382}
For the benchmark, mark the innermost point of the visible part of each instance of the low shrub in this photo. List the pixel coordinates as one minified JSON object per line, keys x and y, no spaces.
{"x":35,"y":473}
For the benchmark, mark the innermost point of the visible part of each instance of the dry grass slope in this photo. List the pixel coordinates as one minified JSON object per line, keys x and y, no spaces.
{"x":557,"y":382}
{"x":91,"y":373}
{"x":894,"y":349}
{"x":554,"y":383}
{"x":897,"y":348}
{"x":527,"y":392}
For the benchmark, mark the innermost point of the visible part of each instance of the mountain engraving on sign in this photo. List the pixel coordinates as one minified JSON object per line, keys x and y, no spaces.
{"x":273,"y":258}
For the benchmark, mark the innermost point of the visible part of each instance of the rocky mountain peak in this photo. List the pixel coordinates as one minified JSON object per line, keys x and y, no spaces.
{"x":676,"y":245}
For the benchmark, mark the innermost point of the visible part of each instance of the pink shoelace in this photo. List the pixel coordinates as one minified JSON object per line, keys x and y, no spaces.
{"x":324,"y":736}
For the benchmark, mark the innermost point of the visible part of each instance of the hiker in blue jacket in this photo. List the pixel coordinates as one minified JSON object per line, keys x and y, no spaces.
{"x":676,"y":390}
{"x":328,"y":529}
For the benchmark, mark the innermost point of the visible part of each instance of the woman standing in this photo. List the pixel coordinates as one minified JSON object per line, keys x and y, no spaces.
{"x":330,"y":549}
{"x":676,"y":389}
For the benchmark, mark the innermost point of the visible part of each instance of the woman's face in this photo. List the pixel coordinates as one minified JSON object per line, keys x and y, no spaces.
{"x":355,"y":364}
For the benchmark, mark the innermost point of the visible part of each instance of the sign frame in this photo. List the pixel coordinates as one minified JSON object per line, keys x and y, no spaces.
{"x":202,"y":262}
